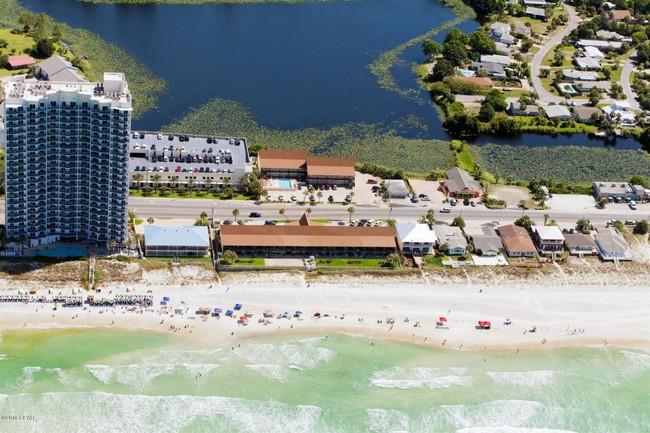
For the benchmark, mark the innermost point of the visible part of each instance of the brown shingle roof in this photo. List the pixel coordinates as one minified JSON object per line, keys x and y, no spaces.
{"x":481,"y":81}
{"x":323,"y":166}
{"x":516,"y":239}
{"x":307,"y":236}
{"x":620,"y":14}
{"x":291,"y":159}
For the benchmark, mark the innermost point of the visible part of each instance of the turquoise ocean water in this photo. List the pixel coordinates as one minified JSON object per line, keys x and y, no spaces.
{"x":101,"y":381}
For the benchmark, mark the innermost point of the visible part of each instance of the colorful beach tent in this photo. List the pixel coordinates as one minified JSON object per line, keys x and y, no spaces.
{"x":238,"y":306}
{"x":166,"y":298}
{"x":229,"y":313}
{"x":218,"y":310}
{"x":442,"y":319}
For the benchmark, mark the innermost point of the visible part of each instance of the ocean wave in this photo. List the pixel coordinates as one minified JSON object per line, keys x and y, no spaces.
{"x":504,"y":429}
{"x":303,"y":353}
{"x":527,"y":379}
{"x":99,"y":411}
{"x":497,"y":414}
{"x":422,"y":377}
{"x":66,"y":378}
{"x":386,"y":421}
{"x":270,"y":371}
{"x":184,"y":356}
{"x":140,"y":375}
{"x":27,"y":378}
{"x":3,"y":356}
{"x":638,"y":363}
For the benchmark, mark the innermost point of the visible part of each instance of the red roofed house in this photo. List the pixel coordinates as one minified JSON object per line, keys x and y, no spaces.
{"x":21,"y":61}
{"x":619,"y":15}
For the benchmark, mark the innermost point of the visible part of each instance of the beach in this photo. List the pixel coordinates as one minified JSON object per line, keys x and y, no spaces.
{"x":527,"y":311}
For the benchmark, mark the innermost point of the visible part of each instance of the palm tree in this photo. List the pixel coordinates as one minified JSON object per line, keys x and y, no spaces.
{"x":352,"y":196}
{"x":282,"y":212}
{"x":235,"y":213}
{"x":263,"y":193}
{"x":137,"y":178}
{"x":22,"y":239}
{"x":190,"y":184}
{"x":305,"y":193}
{"x":208,"y":184}
{"x":132,"y":216}
{"x":204,"y":215}
{"x":150,"y":220}
{"x":319,"y":194}
{"x":308,"y":210}
{"x":156,"y":180}
{"x":546,"y":218}
{"x":174,"y":181}
{"x":112,"y":243}
{"x":350,"y":211}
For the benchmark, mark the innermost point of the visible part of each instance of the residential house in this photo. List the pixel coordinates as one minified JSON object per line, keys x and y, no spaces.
{"x":549,"y":239}
{"x":594,"y":53}
{"x":396,"y":188}
{"x":573,"y":74}
{"x":618,"y":191}
{"x":587,"y":63}
{"x":584,"y":114}
{"x":620,"y":112}
{"x":416,"y":239}
{"x":188,"y":241}
{"x":20,"y":61}
{"x":461,"y":184}
{"x":535,"y":13}
{"x":609,"y":6}
{"x":497,"y":58}
{"x":619,"y":15}
{"x":586,"y":86}
{"x":612,"y":245}
{"x":479,"y":81}
{"x":486,"y":244}
{"x":580,"y":244}
{"x":557,"y":112}
{"x":504,"y":49}
{"x":57,"y":68}
{"x":612,"y":36}
{"x":602,"y":45}
{"x":453,"y":237}
{"x":494,"y":70}
{"x":500,"y":32}
{"x":521,"y":29}
{"x":516,"y":241}
{"x":535,"y":3}
{"x":297,"y":164}
{"x":529,"y":110}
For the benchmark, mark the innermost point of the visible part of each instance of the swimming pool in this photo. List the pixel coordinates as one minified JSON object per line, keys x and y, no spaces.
{"x":62,"y":251}
{"x":285,"y":183}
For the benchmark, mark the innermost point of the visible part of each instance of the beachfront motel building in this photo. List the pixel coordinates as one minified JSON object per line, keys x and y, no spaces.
{"x":66,"y":171}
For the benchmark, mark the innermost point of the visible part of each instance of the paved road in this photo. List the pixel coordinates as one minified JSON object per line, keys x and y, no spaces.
{"x":191,"y":208}
{"x":544,"y":95}
{"x":625,"y":82}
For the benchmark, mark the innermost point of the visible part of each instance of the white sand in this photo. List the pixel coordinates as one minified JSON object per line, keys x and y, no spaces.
{"x":610,"y":307}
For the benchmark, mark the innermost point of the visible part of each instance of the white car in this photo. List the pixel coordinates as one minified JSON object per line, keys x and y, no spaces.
{"x":445,"y":210}
{"x":294,"y":198}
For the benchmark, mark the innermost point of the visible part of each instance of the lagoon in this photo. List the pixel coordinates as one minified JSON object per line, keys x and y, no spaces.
{"x":293,"y":65}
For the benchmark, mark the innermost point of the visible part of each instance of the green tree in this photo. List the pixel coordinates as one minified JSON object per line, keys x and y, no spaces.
{"x":235,"y":213}
{"x":456,"y":35}
{"x":496,"y":98}
{"x":190,"y":184}
{"x":283,"y":212}
{"x":229,"y":257}
{"x":27,"y":20}
{"x":150,"y":220}
{"x":442,"y":69}
{"x":207,"y":183}
{"x":455,"y":52}
{"x":132,"y":216}
{"x":546,"y":218}
{"x":594,"y":96}
{"x":481,"y":43}
{"x":319,"y":194}
{"x":44,"y":47}
{"x":391,"y":222}
{"x":558,"y":57}
{"x":639,"y":180}
{"x":641,"y":228}
{"x":607,"y":72}
{"x":174,"y":181}
{"x":431,"y":48}
{"x":308,"y":211}
{"x":462,"y":125}
{"x":254,"y":149}
{"x":156,"y":180}
{"x":137,"y":178}
{"x":583,"y":225}
{"x":3,"y":43}
{"x":486,"y":113}
{"x":459,"y":222}
{"x":351,"y":212}
{"x":524,"y":222}
{"x":394,"y":260}
{"x":428,"y":218}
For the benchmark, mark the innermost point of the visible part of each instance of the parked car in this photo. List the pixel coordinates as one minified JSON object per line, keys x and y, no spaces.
{"x":424,"y":197}
{"x":294,"y":198}
{"x":445,"y":210}
{"x":254,"y":215}
{"x":453,"y":202}
{"x":472,"y":203}
{"x":632,"y":205}
{"x":466,"y":202}
{"x":414,"y":199}
{"x":373,"y":181}
{"x":270,"y":223}
{"x":334,"y":187}
{"x":227,"y":222}
{"x":330,"y":199}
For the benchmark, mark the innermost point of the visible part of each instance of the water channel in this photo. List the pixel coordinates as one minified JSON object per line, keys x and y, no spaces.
{"x":292,"y":65}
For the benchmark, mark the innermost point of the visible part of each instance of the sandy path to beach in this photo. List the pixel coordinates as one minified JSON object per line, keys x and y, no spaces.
{"x":564,"y":313}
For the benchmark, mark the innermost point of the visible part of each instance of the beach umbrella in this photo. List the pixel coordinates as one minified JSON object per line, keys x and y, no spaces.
{"x":442,"y":319}
{"x":243,"y":318}
{"x":218,"y":310}
{"x":238,"y":306}
{"x":229,"y":313}
{"x":326,"y":315}
{"x":316,"y":314}
{"x":166,"y":298}
{"x":298,"y":312}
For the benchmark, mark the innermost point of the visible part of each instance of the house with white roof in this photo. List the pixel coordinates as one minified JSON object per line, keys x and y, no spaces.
{"x":594,"y":53}
{"x":415,"y":239}
{"x":573,"y":74}
{"x":603,"y":45}
{"x":612,"y":245}
{"x":587,"y":63}
{"x":496,"y":58}
{"x":535,"y":3}
{"x":187,"y":241}
{"x":557,"y":112}
{"x":548,"y":239}
{"x":535,"y":13}
{"x":620,"y":112}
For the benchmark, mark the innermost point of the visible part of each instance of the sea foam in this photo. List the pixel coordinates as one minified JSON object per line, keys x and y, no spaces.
{"x":527,"y":379}
{"x":140,"y":375}
{"x":422,"y":377}
{"x":386,"y":421}
{"x":99,"y":411}
{"x":497,"y":414}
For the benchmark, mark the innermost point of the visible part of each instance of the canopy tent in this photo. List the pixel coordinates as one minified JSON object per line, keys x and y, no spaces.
{"x":229,"y":313}
{"x":218,"y":310}
{"x":442,"y":319}
{"x":238,"y":306}
{"x":316,"y":314}
{"x":298,"y":312}
{"x":243,"y":318}
{"x":484,"y":324}
{"x":166,"y":298}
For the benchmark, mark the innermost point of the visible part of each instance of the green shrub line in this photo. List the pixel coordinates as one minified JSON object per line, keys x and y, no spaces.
{"x":382,"y":65}
{"x":103,"y":56}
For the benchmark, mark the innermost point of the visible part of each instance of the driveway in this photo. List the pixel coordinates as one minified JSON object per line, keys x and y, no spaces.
{"x":625,"y":82}
{"x":544,"y":95}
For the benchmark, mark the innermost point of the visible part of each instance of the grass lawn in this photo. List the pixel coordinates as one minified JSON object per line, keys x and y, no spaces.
{"x":351,"y":263}
{"x":252,"y":261}
{"x":465,"y":159}
{"x":536,"y":25}
{"x":568,"y":57}
{"x":530,"y":123}
{"x":138,"y":221}
{"x":19,"y":44}
{"x":548,"y":83}
{"x":433,"y":261}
